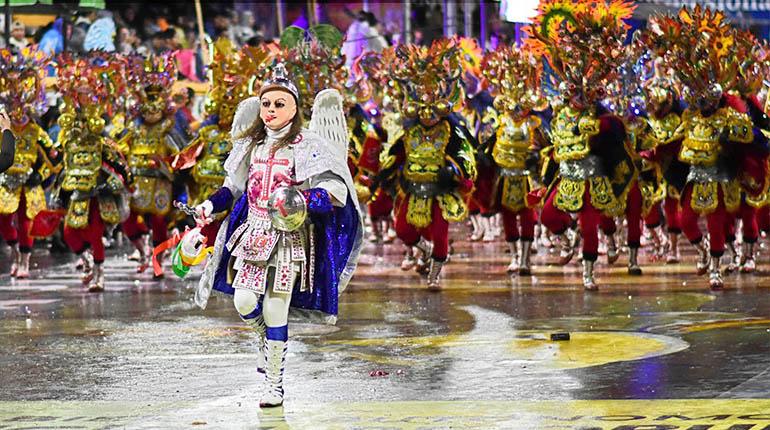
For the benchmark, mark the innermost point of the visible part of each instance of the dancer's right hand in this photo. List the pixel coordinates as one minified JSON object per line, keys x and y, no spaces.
{"x":205,"y":209}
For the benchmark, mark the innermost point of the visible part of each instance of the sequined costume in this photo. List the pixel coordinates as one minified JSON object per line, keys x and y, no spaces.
{"x":753,"y":169}
{"x":514,"y":147}
{"x":92,"y":186}
{"x":433,"y":162}
{"x":269,"y":271}
{"x":149,"y":151}
{"x":588,"y":143}
{"x":21,"y":193}
{"x":657,"y":136}
{"x":714,"y":128}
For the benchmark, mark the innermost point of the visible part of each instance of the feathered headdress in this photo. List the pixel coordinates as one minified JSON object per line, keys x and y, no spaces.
{"x":700,"y":46}
{"x":235,"y":75}
{"x":753,"y":62}
{"x":429,"y":78}
{"x":582,"y":41}
{"x":373,"y":77}
{"x":471,"y":55}
{"x":21,"y":80}
{"x":99,"y":76}
{"x":514,"y":75}
{"x":314,"y":60}
{"x":150,"y":81}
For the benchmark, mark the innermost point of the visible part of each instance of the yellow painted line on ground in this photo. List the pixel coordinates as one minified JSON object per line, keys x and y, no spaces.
{"x":663,"y":414}
{"x":715,"y":325}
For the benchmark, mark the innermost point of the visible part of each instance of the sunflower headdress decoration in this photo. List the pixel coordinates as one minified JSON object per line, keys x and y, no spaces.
{"x":314,"y":61}
{"x":429,"y":79}
{"x":471,"y":55}
{"x":150,"y":81}
{"x":94,"y":80}
{"x":514,"y":75}
{"x":234,"y":76}
{"x":582,"y":40}
{"x":21,"y":82}
{"x":700,"y":46}
{"x":373,"y":79}
{"x":753,"y":58}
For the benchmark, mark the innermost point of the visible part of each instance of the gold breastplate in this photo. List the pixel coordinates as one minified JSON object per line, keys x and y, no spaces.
{"x":210,"y":167}
{"x":425,"y":151}
{"x":149,"y":143}
{"x":26,"y":150}
{"x":514,"y":140}
{"x":567,"y":144}
{"x":661,"y":131}
{"x":701,"y":143}
{"x":82,"y":159}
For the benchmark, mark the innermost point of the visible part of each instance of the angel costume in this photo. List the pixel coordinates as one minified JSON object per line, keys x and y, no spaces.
{"x":305,"y":269}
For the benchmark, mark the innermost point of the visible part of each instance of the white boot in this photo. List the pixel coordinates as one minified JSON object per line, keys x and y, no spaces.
{"x":478,"y":231}
{"x":673,"y":249}
{"x":87,"y":266}
{"x":23,"y":271}
{"x":633,"y":264}
{"x":660,"y":242}
{"x":588,"y":276}
{"x":275,"y":355}
{"x":612,"y":250}
{"x":734,"y":258}
{"x":489,"y":230}
{"x":15,"y":257}
{"x":97,"y":285}
{"x":258,"y":324}
{"x":525,"y":266}
{"x":567,"y":251}
{"x":701,"y":266}
{"x":748,"y":265}
{"x":425,"y":249}
{"x":376,"y":236}
{"x":715,"y":275}
{"x":409,"y":262}
{"x":433,"y":274}
{"x":514,"y":266}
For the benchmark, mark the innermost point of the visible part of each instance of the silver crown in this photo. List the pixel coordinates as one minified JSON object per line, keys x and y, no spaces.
{"x":280,"y":79}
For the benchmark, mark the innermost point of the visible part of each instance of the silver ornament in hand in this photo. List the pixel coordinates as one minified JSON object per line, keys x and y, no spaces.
{"x":287,"y":209}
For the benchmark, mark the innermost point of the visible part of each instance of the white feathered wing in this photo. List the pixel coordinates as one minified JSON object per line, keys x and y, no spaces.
{"x":328,"y":121}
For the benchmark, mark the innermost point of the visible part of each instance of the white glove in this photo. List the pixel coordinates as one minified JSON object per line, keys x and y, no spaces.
{"x":205,"y":209}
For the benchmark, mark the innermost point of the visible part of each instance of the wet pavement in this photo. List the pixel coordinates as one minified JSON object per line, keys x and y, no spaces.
{"x":654,"y":352}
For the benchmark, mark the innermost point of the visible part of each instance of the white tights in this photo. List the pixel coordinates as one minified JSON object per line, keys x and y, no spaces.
{"x":275,"y":306}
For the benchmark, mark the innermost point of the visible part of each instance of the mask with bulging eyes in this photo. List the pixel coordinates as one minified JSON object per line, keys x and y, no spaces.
{"x":433,"y":103}
{"x":705,"y":101}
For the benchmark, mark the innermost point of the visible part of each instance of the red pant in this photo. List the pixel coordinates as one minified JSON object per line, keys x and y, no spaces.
{"x":763,"y":218}
{"x":715,"y":222}
{"x":558,"y":221}
{"x":673,"y":215}
{"x":381,"y":207}
{"x":18,"y":233}
{"x":527,"y":219}
{"x":633,"y":216}
{"x":437,"y":232}
{"x":654,"y":218}
{"x":133,"y":228}
{"x":78,"y":239}
{"x":747,"y":214}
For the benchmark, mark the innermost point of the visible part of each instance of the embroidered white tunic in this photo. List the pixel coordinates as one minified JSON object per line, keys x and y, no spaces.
{"x":263,"y":257}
